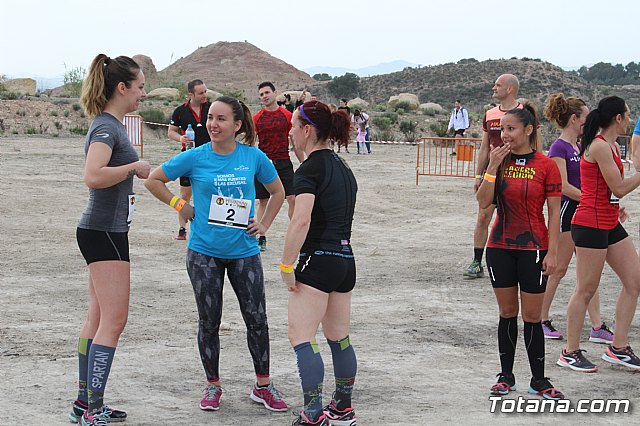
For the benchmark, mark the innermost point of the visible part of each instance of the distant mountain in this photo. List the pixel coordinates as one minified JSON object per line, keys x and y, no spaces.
{"x":383,"y":68}
{"x":232,"y":66}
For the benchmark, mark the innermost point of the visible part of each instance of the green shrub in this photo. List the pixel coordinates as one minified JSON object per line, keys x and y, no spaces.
{"x":79,"y":130}
{"x":380,"y":108}
{"x":21,"y":113}
{"x":73,"y":79}
{"x":383,"y":123}
{"x":76,"y":106}
{"x":440,"y":128}
{"x":384,"y":135}
{"x":238,"y":94}
{"x":65,"y":113}
{"x":408,"y":128}
{"x":475,"y":134}
{"x":391,"y":115}
{"x":429,"y":111}
{"x":8,"y":96}
{"x":406,"y":106}
{"x":153,"y":115}
{"x":57,"y":125}
{"x":400,"y":111}
{"x":53,"y":113}
{"x":37,"y":114}
{"x":31,"y":131}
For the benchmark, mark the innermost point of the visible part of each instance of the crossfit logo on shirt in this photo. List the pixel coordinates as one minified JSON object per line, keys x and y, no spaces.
{"x":242,"y":168}
{"x":102,"y":135}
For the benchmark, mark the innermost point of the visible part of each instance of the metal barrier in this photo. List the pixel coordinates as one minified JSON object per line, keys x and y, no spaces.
{"x":133,"y":124}
{"x":447,"y":157}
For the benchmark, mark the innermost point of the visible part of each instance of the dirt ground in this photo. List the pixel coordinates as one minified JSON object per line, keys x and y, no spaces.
{"x":425,"y":337}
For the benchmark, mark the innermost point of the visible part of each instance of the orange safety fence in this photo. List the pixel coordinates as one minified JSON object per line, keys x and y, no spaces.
{"x":447,"y":157}
{"x":133,"y":124}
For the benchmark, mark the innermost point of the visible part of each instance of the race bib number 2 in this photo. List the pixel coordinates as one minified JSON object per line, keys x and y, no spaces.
{"x":231,"y":212}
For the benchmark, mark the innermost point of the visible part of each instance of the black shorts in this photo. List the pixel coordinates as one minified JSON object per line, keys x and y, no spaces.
{"x":97,"y":246}
{"x":567,"y":211}
{"x":459,"y":132}
{"x":285,"y":172}
{"x":327,"y":270}
{"x":586,"y":237}
{"x":508,"y":268}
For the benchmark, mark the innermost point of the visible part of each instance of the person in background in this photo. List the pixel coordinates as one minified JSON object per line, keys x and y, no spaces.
{"x":194,"y":112}
{"x":113,"y":88}
{"x":569,"y":114}
{"x":362,"y":118}
{"x":272,"y":124}
{"x":599,"y":236}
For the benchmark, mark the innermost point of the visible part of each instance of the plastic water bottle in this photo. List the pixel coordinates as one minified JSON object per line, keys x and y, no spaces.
{"x":191,"y":134}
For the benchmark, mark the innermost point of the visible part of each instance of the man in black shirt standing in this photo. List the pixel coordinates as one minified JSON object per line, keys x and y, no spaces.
{"x":193,"y":112}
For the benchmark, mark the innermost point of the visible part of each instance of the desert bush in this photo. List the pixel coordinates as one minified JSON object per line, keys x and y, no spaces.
{"x":406,"y":106}
{"x":238,"y":94}
{"x":383,"y":135}
{"x":440,"y":128}
{"x":429,"y":111}
{"x":53,"y":113}
{"x":475,"y":134}
{"x":73,"y":79}
{"x":400,"y":111}
{"x":380,"y":108}
{"x":57,"y":125}
{"x":8,"y":96}
{"x":154,"y":115}
{"x":80,"y":130}
{"x":391,"y":115}
{"x":37,"y":114}
{"x":66,"y":112}
{"x":21,"y":113}
{"x":408,"y":128}
{"x":346,"y":86}
{"x":383,"y":123}
{"x":76,"y":106}
{"x":31,"y":131}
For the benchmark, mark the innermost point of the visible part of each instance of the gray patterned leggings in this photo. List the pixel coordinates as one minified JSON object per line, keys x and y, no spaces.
{"x":247,"y":279}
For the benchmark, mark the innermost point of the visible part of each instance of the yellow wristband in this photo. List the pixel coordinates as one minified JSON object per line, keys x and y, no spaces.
{"x":180,"y":139}
{"x":489,"y":178}
{"x":287,"y":269}
{"x":478,"y":177}
{"x":174,"y":200}
{"x":180,"y":205}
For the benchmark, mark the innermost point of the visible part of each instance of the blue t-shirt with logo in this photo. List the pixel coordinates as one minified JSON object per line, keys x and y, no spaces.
{"x":230,"y":175}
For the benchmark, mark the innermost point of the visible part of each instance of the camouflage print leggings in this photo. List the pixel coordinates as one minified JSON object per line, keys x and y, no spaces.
{"x":247,"y":279}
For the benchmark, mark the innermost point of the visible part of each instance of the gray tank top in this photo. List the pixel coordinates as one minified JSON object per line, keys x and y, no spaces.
{"x":108,"y":208}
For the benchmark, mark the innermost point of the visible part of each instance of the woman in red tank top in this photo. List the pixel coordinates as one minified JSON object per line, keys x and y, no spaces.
{"x":598,"y":235}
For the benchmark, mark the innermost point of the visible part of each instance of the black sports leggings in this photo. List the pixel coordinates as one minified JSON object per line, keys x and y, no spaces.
{"x":247,"y":279}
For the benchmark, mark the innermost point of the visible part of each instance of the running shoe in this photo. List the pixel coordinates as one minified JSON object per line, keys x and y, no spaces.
{"x":182,"y":234}
{"x":270,"y":397}
{"x":474,"y":270}
{"x":98,"y":418}
{"x":302,"y":419}
{"x":506,"y":383}
{"x":544,"y":388}
{"x":601,"y":335}
{"x":78,"y":408}
{"x":550,"y":331}
{"x":262,"y":243}
{"x":347,"y":417}
{"x":211,"y":398}
{"x":576,"y":361}
{"x":624,"y":356}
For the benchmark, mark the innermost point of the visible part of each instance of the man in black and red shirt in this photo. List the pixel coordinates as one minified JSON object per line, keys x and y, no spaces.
{"x":193,"y":112}
{"x":272,"y":124}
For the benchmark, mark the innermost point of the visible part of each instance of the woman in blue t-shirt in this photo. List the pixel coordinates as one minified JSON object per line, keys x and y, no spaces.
{"x":569,"y":114}
{"x":223,"y":238}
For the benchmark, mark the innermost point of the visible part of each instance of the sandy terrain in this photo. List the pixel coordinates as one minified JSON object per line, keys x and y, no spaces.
{"x":425,"y":337}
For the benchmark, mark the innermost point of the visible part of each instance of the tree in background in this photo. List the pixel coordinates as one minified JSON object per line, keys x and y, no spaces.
{"x":322,"y":77}
{"x":346,"y":86}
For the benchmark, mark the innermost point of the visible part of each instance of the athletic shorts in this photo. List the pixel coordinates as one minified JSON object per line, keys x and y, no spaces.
{"x":327,"y":270}
{"x":459,"y":132}
{"x":508,"y":268}
{"x":285,"y":172}
{"x":97,"y":246}
{"x":567,"y":211}
{"x":586,"y":237}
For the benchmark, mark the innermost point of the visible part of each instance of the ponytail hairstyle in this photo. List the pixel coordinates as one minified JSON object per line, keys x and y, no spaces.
{"x":329,"y":126}
{"x":601,"y":118}
{"x":560,"y":109}
{"x":241,"y":113}
{"x":104,"y":76}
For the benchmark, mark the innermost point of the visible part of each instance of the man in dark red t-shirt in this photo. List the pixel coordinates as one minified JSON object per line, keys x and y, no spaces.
{"x":272,"y":124}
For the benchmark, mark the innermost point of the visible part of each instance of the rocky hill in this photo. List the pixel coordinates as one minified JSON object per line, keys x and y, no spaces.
{"x":472,"y":81}
{"x":234,"y":66}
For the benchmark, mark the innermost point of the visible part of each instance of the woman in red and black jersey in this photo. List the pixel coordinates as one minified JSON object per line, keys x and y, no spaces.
{"x":599,"y":236}
{"x":521,"y":249}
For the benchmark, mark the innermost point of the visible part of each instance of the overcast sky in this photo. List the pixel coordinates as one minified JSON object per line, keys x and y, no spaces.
{"x":37,"y":38}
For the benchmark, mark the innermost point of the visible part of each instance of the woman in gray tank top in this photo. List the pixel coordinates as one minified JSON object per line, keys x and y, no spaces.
{"x":112,"y":89}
